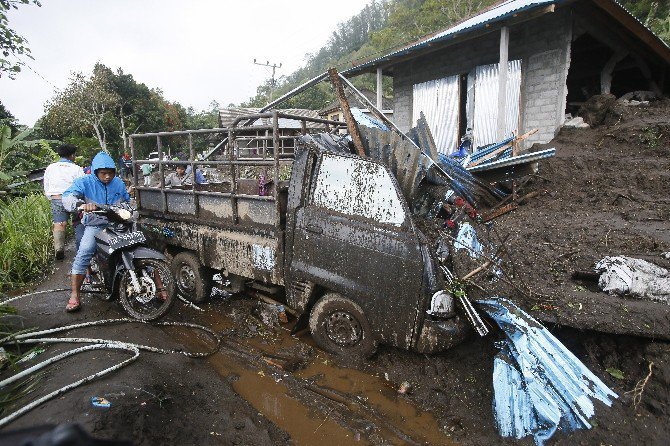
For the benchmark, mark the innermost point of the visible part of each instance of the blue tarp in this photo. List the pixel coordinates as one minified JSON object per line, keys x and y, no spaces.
{"x":539,"y":385}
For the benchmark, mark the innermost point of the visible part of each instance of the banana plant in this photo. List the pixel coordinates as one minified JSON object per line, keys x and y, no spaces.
{"x":21,"y":152}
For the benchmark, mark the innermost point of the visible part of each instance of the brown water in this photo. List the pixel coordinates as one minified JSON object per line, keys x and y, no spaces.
{"x":361,"y":397}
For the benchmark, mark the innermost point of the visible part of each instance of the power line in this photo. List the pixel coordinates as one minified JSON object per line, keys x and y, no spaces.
{"x":272,"y":83}
{"x":39,"y":75}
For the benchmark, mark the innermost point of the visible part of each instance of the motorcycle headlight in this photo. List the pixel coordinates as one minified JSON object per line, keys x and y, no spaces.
{"x":124,"y":214}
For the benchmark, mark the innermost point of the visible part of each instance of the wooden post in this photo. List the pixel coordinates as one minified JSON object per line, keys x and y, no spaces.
{"x":380,"y":105}
{"x":346,"y":111}
{"x":502,"y":82}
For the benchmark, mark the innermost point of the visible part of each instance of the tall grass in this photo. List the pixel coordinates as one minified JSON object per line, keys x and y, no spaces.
{"x":25,"y":240}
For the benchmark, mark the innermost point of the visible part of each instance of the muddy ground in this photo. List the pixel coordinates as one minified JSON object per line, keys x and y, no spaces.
{"x":605,"y":193}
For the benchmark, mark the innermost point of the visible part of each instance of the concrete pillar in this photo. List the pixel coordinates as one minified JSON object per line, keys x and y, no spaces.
{"x":502,"y":82}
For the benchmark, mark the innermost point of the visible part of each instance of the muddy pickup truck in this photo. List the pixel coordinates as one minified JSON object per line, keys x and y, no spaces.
{"x":292,"y":212}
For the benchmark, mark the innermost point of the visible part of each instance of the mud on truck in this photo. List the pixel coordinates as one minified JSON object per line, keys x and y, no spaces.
{"x":287,"y":208}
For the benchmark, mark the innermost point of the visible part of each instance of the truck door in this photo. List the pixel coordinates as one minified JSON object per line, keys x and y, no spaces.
{"x":354,"y":236}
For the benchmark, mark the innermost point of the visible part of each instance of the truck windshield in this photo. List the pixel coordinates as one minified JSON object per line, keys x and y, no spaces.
{"x":358,"y":187}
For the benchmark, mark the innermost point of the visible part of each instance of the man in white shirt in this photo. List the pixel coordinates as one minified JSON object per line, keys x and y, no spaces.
{"x":58,"y":177}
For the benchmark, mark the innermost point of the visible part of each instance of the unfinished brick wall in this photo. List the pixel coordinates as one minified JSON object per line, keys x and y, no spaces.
{"x":543,"y":45}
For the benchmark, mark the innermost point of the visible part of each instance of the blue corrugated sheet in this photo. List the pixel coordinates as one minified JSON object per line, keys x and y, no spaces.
{"x":367,"y":120}
{"x":506,"y":160}
{"x":539,"y":385}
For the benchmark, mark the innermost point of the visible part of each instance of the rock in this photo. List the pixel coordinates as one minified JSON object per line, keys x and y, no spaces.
{"x":596,"y":108}
{"x":577,"y":123}
{"x":639,"y":96}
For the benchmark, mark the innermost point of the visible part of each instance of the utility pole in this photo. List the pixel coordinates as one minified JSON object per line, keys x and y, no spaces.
{"x":272,"y":83}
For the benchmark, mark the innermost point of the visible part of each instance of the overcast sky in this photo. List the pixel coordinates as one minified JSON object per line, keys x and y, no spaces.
{"x":195,"y":51}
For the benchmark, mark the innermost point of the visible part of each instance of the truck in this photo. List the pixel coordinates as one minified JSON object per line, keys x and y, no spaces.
{"x":289,"y":210}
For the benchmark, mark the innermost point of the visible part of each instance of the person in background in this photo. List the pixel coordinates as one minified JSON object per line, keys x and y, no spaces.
{"x":128,"y":164}
{"x":58,"y":177}
{"x":178,"y":177}
{"x":146,"y":173}
{"x":199,"y":176}
{"x":122,"y":167}
{"x":102,"y":188}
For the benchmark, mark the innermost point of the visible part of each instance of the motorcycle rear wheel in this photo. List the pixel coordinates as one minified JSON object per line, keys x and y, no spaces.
{"x":147,"y":305}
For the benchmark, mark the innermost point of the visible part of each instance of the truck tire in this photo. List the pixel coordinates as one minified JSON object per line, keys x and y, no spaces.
{"x":192,"y":279}
{"x":339,"y":326}
{"x":147,"y":305}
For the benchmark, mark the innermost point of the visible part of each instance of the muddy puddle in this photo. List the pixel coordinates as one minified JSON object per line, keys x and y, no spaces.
{"x":317,"y":401}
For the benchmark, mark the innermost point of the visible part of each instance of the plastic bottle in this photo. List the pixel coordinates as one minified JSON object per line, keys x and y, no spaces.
{"x":282,"y":315}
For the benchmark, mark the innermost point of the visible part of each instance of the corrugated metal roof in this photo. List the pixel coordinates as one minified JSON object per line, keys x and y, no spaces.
{"x":355,"y":101}
{"x":487,"y":16}
{"x":228,"y":115}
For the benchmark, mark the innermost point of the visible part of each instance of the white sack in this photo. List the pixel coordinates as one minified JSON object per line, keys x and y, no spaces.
{"x":635,"y":277}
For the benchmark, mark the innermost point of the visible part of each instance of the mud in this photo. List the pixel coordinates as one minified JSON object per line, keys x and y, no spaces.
{"x":605,"y":193}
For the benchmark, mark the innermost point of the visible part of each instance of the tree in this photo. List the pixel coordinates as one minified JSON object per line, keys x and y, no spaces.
{"x":83,"y":105}
{"x":6,"y":117}
{"x":12,"y":45}
{"x":654,"y":14}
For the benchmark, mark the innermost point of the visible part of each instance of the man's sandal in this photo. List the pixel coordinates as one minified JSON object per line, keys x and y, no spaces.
{"x":73,"y":305}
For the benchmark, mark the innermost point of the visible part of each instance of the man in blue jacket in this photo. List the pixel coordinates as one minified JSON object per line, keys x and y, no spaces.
{"x":100,"y":188}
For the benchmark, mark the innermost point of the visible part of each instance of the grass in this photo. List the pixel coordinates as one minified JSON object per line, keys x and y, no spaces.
{"x":25,"y":240}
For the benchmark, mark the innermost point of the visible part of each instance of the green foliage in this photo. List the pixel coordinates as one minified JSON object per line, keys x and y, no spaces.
{"x":19,"y":155}
{"x":655,"y":14}
{"x":12,"y":45}
{"x":25,"y":240}
{"x":7,"y":118}
{"x":618,"y":374}
{"x":109,"y":106}
{"x":379,"y":28}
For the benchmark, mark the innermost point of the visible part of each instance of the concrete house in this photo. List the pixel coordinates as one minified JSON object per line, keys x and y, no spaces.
{"x":557,"y":53}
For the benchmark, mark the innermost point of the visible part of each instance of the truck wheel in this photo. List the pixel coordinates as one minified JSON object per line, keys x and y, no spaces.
{"x":194,"y":281}
{"x":150,"y":303}
{"x":339,"y":326}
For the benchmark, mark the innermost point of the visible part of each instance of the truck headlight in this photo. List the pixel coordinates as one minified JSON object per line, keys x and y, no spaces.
{"x":441,"y":304}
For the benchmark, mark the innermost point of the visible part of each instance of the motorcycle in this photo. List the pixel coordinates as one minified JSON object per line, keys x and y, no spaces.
{"x":124,"y":266}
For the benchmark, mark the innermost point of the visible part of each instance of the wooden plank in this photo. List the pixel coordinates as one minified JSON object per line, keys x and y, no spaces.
{"x":498,"y":212}
{"x":491,"y":155}
{"x":346,"y":111}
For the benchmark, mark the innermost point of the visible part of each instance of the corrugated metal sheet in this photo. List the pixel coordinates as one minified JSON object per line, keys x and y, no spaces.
{"x":486,"y":105}
{"x":439,"y":102}
{"x":513,"y":97}
{"x":507,"y":160}
{"x":228,"y":115}
{"x":538,"y":384}
{"x":485,"y":120}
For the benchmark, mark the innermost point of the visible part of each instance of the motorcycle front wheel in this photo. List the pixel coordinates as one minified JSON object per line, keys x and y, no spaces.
{"x":149,"y":303}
